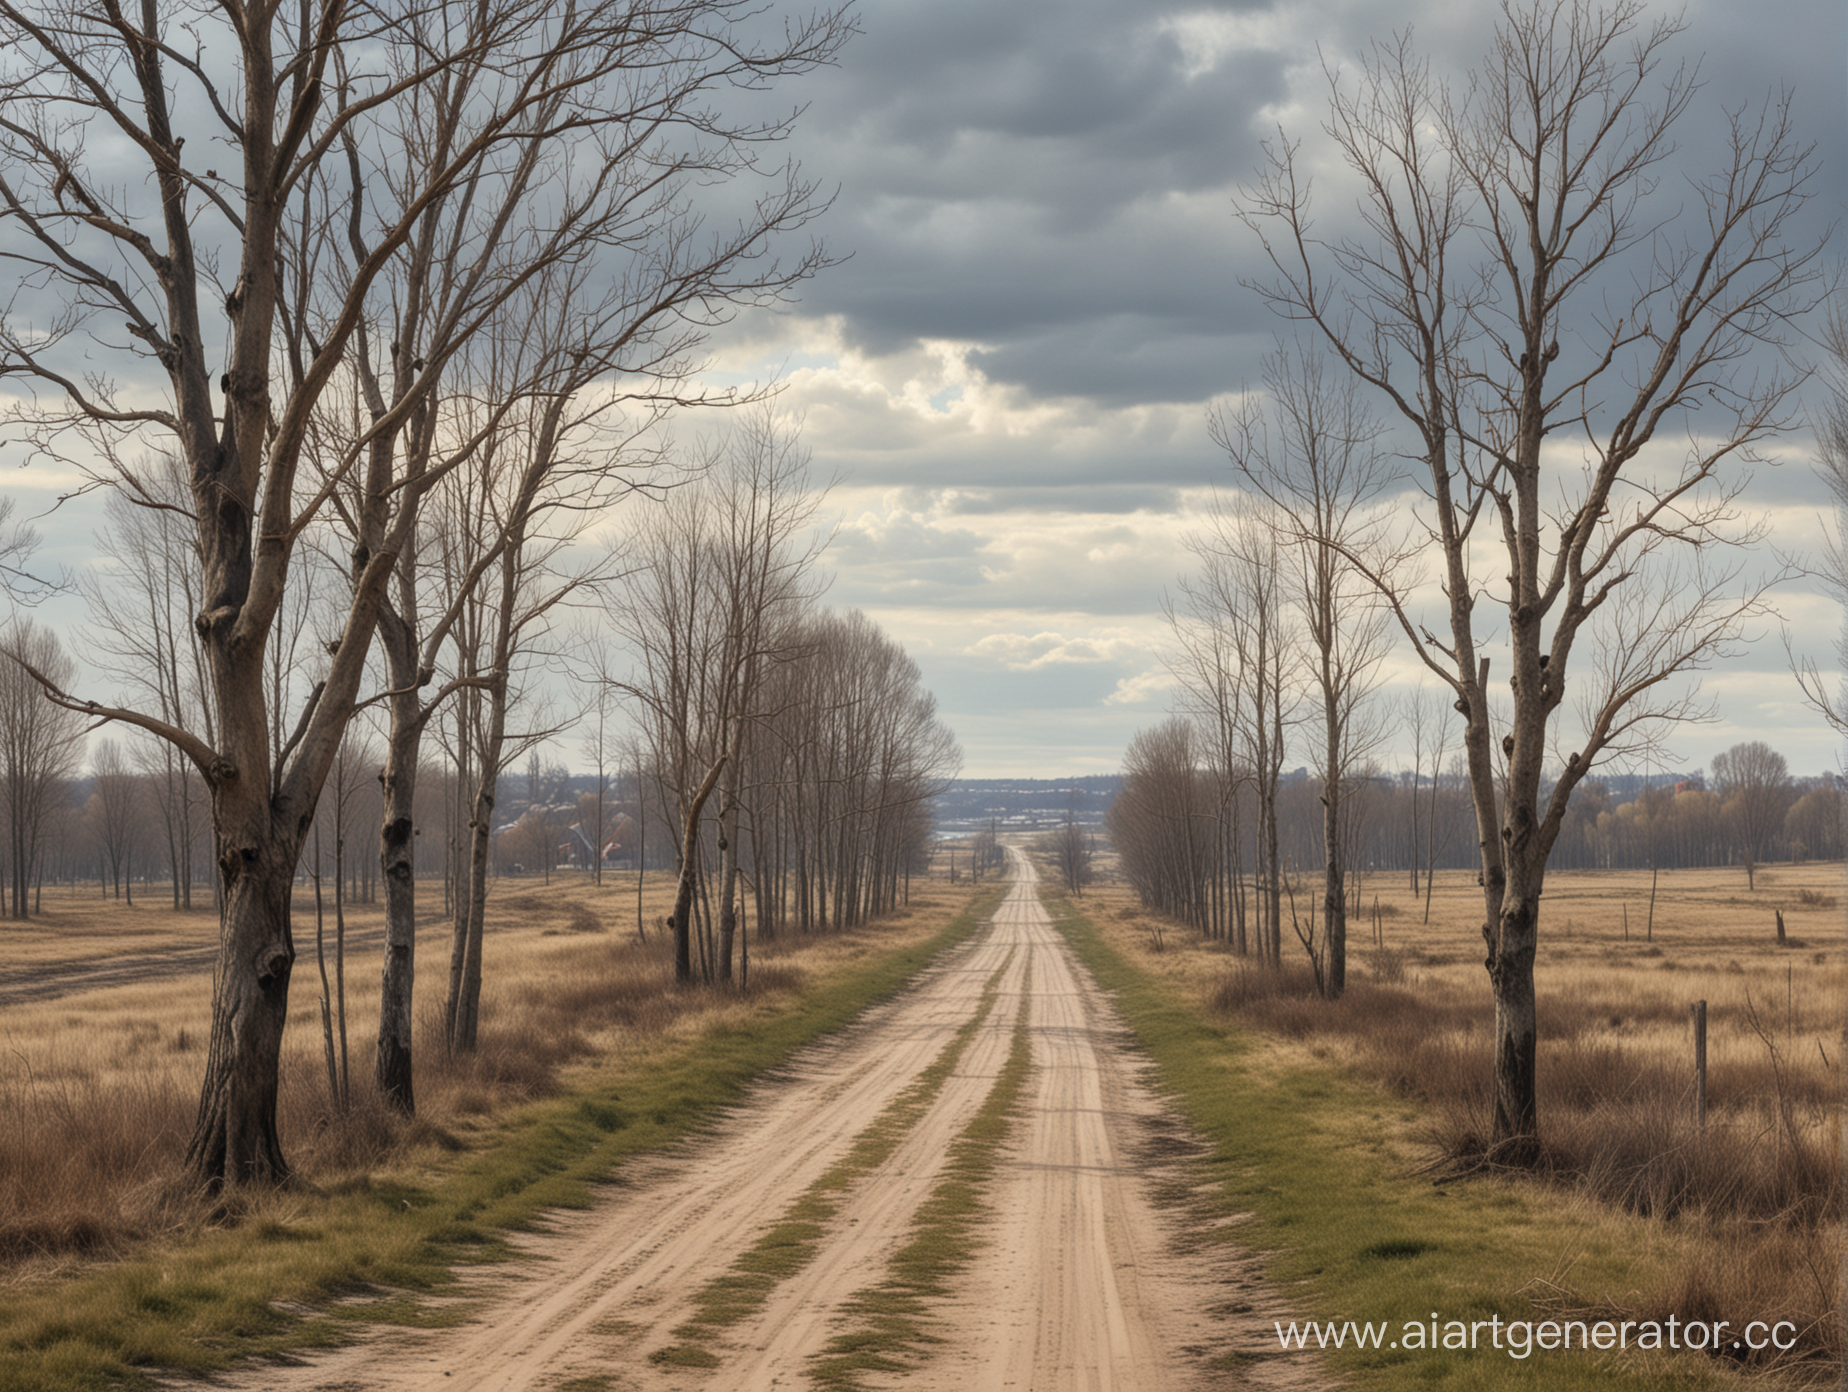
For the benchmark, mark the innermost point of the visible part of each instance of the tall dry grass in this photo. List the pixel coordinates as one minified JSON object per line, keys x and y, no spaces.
{"x":1758,"y":1191}
{"x":1619,"y":1112}
{"x":98,"y":1089}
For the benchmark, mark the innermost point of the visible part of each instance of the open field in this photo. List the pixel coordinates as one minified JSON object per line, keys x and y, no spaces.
{"x":1740,"y":1221}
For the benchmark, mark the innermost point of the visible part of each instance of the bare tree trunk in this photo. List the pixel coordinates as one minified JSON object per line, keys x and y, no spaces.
{"x":690,"y":876}
{"x":728,"y":891}
{"x":461,"y":861}
{"x":465,"y":970}
{"x":1334,"y":896}
{"x":467,"y":1008}
{"x":641,"y":850}
{"x":1511,"y":977}
{"x":320,"y":962}
{"x":397,"y":864}
{"x":346,"y":1076}
{"x":234,"y":1138}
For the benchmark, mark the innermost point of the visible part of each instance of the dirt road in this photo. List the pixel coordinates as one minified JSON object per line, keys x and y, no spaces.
{"x":1074,"y":1284}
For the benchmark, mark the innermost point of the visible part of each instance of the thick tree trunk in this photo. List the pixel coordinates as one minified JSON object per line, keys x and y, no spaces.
{"x":393,"y":1062}
{"x":234,"y":1139}
{"x":1515,"y":1138}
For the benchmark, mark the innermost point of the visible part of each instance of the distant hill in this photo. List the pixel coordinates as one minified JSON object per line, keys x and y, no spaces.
{"x":1023,"y":804}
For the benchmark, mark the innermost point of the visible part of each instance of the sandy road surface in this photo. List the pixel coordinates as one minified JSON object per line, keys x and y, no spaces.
{"x":1077,"y":1287}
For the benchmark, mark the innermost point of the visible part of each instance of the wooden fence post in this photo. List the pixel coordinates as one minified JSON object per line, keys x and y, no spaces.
{"x":1699,"y":1010}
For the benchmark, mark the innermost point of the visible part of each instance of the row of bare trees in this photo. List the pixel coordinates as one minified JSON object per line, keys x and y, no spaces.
{"x":793,"y":751}
{"x":1280,"y":620}
{"x":1573,"y":355}
{"x":404,"y":290}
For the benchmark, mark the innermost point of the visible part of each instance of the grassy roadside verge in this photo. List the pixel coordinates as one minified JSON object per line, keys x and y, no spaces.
{"x":206,"y":1303}
{"x":1348,"y":1233}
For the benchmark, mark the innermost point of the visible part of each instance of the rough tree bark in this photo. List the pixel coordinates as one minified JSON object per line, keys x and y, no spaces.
{"x":689,"y":875}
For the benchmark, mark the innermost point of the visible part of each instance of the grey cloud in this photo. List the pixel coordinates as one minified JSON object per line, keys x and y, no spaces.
{"x":1004,"y":171}
{"x":1124,"y":496}
{"x":1114,"y":478}
{"x":1009,"y":173}
{"x":1126,"y":359}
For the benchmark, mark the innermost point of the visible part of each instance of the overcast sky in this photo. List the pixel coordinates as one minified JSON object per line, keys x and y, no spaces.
{"x":1011,"y":374}
{"x":1010,"y":369}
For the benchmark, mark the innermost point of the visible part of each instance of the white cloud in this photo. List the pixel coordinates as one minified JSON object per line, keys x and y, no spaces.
{"x":1141,"y":688}
{"x":1024,"y":653}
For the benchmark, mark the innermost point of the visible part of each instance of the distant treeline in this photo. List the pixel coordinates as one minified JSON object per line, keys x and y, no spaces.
{"x":1188,"y":834}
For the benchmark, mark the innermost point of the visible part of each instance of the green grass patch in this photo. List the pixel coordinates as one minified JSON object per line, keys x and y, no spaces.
{"x":1347,"y":1232}
{"x":889,"y":1325}
{"x":204,"y":1304}
{"x":793,"y":1242}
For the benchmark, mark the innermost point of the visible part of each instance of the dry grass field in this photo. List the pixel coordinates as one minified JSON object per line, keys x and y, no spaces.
{"x":1750,"y":1207}
{"x":104,"y":1011}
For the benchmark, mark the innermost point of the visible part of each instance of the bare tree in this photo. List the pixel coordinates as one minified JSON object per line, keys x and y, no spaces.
{"x":1073,"y":850}
{"x":1239,"y":593}
{"x":1754,"y":782}
{"x":1310,"y":448}
{"x":355,"y":771}
{"x":40,"y":748}
{"x":1427,"y":716}
{"x":1155,"y":821}
{"x":1523,"y":282}
{"x":764,"y":510}
{"x":524,"y":508}
{"x":1813,"y":826}
{"x":602,"y":745}
{"x":23,"y":583}
{"x":116,"y":811}
{"x":848,"y":755}
{"x":141,"y":604}
{"x":616,"y":294}
{"x":1205,"y":664}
